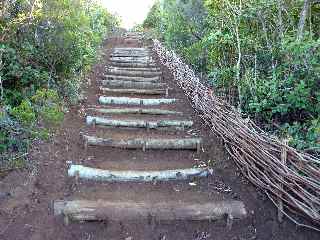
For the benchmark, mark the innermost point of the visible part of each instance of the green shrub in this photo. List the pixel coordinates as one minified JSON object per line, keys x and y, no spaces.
{"x":48,"y":106}
{"x":44,"y":55}
{"x":24,"y":113}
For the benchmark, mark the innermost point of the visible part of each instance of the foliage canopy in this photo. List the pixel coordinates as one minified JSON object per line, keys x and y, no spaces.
{"x":262,"y":56}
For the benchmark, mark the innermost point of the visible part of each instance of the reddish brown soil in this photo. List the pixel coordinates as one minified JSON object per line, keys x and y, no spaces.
{"x":27,"y":213}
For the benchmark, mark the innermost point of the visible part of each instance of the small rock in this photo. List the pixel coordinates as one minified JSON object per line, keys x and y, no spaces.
{"x":4,"y":194}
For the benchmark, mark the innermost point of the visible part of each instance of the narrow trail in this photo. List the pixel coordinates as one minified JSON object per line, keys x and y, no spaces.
{"x":126,"y":166}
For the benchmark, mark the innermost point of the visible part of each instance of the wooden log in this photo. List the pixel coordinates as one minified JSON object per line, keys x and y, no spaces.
{"x":150,"y":69}
{"x":145,"y":143}
{"x":129,"y":61}
{"x":132,"y":84}
{"x":150,"y":111}
{"x":137,"y":123}
{"x":130,"y":64}
{"x":134,"y":73}
{"x":135,"y":176}
{"x":130,"y":54}
{"x":135,"y":101}
{"x":82,"y":210}
{"x":145,"y":50}
{"x":136,"y":91}
{"x":119,"y":49}
{"x":133,"y":78}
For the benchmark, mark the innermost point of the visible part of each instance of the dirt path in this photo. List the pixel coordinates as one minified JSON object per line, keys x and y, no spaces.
{"x":27,"y":213}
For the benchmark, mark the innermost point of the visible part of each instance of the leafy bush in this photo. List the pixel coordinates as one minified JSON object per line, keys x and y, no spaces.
{"x":46,"y":49}
{"x":48,"y":106}
{"x":24,"y":113}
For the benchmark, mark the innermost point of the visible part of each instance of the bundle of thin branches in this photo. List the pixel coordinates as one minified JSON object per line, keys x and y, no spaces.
{"x":291,"y":179}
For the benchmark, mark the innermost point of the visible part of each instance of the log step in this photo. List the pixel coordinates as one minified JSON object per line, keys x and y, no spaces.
{"x":83,"y":210}
{"x":150,"y":69}
{"x":132,"y":84}
{"x":135,"y":91}
{"x":135,"y":101}
{"x":137,"y":123}
{"x":82,"y":172}
{"x":132,"y":60}
{"x":146,"y":143}
{"x":148,"y":111}
{"x":129,"y":61}
{"x":130,"y":54}
{"x":133,"y":65}
{"x":120,"y":49}
{"x":133,"y":78}
{"x":134,"y":73}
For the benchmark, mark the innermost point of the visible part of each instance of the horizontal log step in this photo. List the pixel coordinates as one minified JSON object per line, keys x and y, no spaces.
{"x":148,"y":58}
{"x":134,"y":73}
{"x":83,"y":210}
{"x":130,"y":49}
{"x":132,"y":61}
{"x":135,"y":101}
{"x":88,"y":173}
{"x":150,"y":69}
{"x":132,"y":78}
{"x":130,"y":64}
{"x":179,"y":124}
{"x":145,"y":143}
{"x":132,"y":84}
{"x":136,"y":91}
{"x":130,"y":54}
{"x":147,"y":111}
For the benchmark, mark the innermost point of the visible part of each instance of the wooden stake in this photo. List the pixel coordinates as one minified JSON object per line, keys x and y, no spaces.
{"x":284,"y":162}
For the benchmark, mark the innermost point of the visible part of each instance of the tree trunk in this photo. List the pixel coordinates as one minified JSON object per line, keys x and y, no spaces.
{"x":302,"y":20}
{"x":136,"y":91}
{"x":82,"y":210}
{"x":138,"y":123}
{"x":88,"y":173}
{"x":280,"y":18}
{"x":135,"y":101}
{"x":145,"y":144}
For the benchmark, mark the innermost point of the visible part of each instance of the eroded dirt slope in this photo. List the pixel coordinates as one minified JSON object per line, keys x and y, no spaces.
{"x":27,"y":213}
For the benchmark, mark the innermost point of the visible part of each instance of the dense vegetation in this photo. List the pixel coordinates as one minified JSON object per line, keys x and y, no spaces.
{"x":263,"y":56}
{"x":46,"y":48}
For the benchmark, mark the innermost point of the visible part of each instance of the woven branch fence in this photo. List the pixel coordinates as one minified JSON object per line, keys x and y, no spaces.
{"x":291,"y":179}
